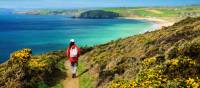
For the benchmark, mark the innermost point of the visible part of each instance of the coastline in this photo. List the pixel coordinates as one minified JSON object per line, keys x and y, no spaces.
{"x":157,"y":23}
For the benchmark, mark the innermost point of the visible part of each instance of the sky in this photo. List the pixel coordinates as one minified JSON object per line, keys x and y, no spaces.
{"x":91,"y":3}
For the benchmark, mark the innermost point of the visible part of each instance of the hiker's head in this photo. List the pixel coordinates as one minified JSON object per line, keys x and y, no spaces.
{"x":72,"y":42}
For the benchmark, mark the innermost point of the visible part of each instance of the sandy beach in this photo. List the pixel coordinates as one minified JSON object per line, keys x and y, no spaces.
{"x":159,"y":23}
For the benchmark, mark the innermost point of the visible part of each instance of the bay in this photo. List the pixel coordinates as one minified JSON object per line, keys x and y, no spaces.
{"x":43,"y":33}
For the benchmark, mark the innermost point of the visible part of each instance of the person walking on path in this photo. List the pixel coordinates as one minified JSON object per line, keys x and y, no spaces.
{"x":73,"y":53}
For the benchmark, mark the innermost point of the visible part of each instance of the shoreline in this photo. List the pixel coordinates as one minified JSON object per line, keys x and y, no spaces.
{"x":157,"y":23}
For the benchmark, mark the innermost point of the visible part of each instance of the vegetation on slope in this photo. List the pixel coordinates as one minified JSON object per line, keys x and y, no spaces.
{"x":98,"y":14}
{"x":168,"y":57}
{"x":167,"y":13}
{"x":23,"y":70}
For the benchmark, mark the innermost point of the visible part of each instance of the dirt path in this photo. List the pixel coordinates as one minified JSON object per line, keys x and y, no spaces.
{"x":70,"y":82}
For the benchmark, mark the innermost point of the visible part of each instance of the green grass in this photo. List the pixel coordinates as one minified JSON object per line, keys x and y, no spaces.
{"x":61,"y":65}
{"x":59,"y":85}
{"x":85,"y":79}
{"x":62,"y":68}
{"x":159,"y":12}
{"x":42,"y":85}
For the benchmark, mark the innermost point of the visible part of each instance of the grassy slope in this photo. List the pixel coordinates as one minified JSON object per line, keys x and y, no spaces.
{"x":168,"y":57}
{"x":85,"y":78}
{"x":168,"y":13}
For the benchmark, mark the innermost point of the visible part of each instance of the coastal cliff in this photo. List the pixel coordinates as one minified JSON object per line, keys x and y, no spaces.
{"x":98,"y":14}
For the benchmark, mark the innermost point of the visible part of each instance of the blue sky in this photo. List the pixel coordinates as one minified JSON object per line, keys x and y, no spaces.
{"x":91,"y":3}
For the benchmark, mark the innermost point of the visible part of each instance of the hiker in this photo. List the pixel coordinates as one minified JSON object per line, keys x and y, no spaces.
{"x":73,"y":53}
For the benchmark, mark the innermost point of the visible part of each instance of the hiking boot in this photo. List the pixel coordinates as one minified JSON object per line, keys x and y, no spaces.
{"x":73,"y":75}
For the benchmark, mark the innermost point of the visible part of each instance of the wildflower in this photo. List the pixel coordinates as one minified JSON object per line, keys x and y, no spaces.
{"x":191,"y":83}
{"x":21,"y":56}
{"x":174,"y":62}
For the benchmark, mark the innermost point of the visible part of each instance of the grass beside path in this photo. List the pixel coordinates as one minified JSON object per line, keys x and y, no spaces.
{"x":86,"y":79}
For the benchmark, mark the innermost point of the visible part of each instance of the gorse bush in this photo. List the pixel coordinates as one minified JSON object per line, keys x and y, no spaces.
{"x":172,"y":73}
{"x":37,"y":64}
{"x":21,"y":56}
{"x":168,"y":57}
{"x":24,"y":70}
{"x":193,"y":83}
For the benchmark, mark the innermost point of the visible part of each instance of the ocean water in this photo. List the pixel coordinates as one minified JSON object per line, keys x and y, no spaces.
{"x":43,"y":33}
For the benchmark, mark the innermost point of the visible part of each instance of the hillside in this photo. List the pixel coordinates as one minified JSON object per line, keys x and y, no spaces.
{"x":165,"y":13}
{"x":98,"y":14}
{"x":168,"y":57}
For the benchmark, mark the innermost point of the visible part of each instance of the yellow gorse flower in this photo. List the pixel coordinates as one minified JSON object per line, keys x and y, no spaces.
{"x":191,"y":83}
{"x":149,"y":61}
{"x":21,"y":56}
{"x":173,"y":62}
{"x":35,"y":63}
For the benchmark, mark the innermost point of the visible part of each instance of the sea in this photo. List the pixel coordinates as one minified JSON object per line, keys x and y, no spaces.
{"x":44,"y":33}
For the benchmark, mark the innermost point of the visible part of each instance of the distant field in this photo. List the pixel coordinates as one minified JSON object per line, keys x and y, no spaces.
{"x":168,"y":13}
{"x":159,"y":12}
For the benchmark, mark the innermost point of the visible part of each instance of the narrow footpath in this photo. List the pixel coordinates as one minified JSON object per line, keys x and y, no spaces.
{"x":70,"y":82}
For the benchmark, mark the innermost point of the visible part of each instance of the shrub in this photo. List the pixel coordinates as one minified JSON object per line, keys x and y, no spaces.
{"x":21,"y":56}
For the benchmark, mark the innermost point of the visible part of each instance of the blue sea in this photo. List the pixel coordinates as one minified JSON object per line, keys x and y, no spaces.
{"x":43,"y":33}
